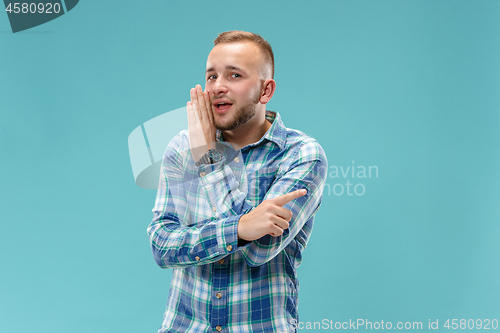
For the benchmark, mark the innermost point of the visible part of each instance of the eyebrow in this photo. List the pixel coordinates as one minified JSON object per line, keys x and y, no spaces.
{"x":211,"y":69}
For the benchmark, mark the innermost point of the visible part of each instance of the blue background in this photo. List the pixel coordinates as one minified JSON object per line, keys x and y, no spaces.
{"x":411,"y":87}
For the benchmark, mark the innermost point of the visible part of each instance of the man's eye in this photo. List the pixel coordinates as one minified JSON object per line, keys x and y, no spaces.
{"x":236,"y":75}
{"x":212,"y":77}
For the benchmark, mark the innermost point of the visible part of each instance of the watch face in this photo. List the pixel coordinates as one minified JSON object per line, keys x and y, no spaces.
{"x":215,"y":155}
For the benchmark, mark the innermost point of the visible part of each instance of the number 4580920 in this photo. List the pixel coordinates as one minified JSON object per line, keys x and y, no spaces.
{"x":471,"y":324}
{"x":33,"y":8}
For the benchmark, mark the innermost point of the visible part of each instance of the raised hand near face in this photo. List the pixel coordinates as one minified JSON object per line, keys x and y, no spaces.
{"x":200,"y":123}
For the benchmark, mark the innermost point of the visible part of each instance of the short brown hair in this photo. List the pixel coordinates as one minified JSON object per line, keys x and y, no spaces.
{"x":237,"y":36}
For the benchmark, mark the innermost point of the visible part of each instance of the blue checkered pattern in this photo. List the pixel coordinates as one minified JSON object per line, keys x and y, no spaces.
{"x":218,"y":283}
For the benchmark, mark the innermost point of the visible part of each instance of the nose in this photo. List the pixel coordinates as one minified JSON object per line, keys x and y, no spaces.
{"x":219,"y":86}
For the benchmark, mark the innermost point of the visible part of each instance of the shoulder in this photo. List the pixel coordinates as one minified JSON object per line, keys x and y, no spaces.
{"x":303,"y":153}
{"x":180,"y":140}
{"x":304,"y":147}
{"x":178,"y":148}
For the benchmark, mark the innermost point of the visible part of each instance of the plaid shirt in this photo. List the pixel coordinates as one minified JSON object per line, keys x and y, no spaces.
{"x":219,"y":284}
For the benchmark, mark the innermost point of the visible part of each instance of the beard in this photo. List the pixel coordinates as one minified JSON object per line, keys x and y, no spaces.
{"x":241,"y":116}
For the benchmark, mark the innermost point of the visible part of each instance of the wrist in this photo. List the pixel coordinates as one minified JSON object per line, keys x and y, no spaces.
{"x":198,"y":152}
{"x":240,"y":227}
{"x":210,"y":157}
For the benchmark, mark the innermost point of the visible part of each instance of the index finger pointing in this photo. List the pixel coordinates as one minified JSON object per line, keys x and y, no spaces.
{"x":285,"y":198}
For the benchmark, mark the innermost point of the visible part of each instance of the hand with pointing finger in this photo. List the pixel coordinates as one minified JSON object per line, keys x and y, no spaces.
{"x":269,"y":218}
{"x":200,"y":123}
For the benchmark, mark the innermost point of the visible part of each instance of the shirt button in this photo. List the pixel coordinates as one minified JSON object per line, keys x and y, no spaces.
{"x":197,"y":258}
{"x":229,"y":247}
{"x":218,"y":328}
{"x":214,"y":209}
{"x":219,"y":295}
{"x":221,"y":261}
{"x":203,"y":174}
{"x":236,"y":159}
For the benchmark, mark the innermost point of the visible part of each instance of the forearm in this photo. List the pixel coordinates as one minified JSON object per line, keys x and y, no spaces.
{"x":224,"y":186}
{"x":176,"y":246}
{"x":185,"y":230}
{"x":309,"y":173}
{"x":264,"y":249}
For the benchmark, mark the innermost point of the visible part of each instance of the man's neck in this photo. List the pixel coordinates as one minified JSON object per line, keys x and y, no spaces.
{"x":248,"y":133}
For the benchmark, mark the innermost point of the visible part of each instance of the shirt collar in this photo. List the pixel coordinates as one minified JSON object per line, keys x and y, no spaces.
{"x":276,"y":133}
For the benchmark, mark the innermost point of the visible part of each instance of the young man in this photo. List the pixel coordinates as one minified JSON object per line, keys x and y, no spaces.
{"x":236,"y":202}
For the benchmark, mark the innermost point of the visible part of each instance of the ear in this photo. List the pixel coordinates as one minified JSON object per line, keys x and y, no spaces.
{"x":267,"y":91}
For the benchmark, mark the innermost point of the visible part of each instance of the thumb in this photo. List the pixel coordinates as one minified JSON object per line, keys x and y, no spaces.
{"x":283,"y":199}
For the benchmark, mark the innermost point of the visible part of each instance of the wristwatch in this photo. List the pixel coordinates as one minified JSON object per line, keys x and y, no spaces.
{"x":210,"y":157}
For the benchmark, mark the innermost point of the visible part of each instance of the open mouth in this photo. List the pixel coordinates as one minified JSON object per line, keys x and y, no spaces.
{"x":222,"y":107}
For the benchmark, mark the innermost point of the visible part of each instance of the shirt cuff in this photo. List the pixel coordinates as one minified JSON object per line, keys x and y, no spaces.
{"x":205,"y":169}
{"x":227,"y":235}
{"x":243,"y":242}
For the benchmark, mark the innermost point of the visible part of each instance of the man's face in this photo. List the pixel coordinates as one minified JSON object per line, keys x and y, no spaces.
{"x":233,"y":80}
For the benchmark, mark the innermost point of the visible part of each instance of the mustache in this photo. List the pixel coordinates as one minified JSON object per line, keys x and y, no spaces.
{"x":221,"y":96}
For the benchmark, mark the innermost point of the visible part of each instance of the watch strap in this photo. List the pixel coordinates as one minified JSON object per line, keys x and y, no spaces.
{"x":210,"y":157}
